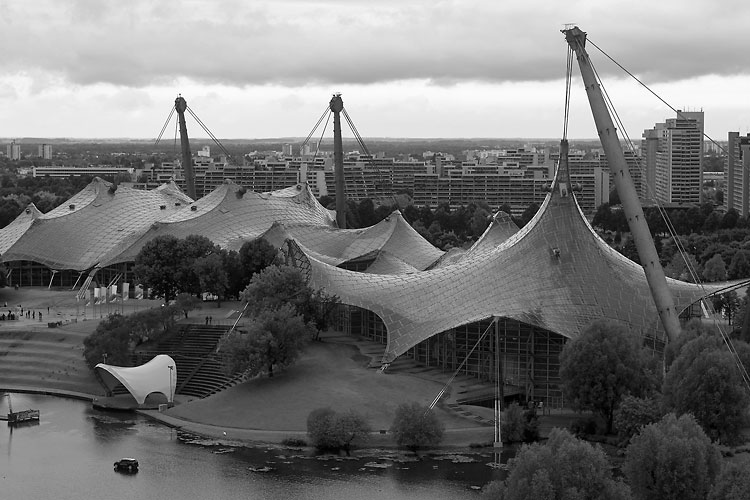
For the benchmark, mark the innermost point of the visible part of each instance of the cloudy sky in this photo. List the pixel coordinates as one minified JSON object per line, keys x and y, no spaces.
{"x":405,"y":68}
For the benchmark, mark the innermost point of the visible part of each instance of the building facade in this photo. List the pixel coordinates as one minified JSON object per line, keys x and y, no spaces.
{"x":737,"y":174}
{"x":675,"y":149}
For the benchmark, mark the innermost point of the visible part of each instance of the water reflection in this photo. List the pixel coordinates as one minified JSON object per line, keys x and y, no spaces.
{"x":69,"y":454}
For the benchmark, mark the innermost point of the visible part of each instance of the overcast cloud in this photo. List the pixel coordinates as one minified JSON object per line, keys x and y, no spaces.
{"x":56,"y":46}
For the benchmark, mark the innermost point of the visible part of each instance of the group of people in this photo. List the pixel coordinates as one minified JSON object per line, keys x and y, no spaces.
{"x":20,"y":314}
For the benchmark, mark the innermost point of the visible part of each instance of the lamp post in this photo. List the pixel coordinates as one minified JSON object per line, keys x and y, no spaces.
{"x":171,"y":395}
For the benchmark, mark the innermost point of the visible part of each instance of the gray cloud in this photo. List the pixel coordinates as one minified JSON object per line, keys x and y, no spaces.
{"x":297,"y":43}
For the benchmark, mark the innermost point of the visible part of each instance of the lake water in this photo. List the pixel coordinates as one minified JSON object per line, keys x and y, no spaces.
{"x":70,"y":452}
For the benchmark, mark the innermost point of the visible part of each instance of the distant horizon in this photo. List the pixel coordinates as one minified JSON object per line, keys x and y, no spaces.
{"x":33,"y":140}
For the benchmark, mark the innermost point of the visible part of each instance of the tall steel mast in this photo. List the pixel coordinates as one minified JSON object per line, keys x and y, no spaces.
{"x":625,"y":189}
{"x":180,"y":105}
{"x":337,"y":105}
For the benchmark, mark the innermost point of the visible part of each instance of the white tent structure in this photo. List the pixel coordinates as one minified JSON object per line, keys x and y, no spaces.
{"x":158,"y":375}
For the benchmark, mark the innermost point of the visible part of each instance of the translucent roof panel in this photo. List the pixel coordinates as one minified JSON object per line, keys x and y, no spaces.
{"x":555,"y":273}
{"x":77,"y":234}
{"x":13,"y":231}
{"x":231,"y":215}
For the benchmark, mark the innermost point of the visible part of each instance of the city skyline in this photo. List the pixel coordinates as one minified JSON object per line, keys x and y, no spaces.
{"x":419,"y":69}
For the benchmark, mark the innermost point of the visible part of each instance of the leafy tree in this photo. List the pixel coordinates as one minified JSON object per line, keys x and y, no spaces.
{"x":256,"y":255}
{"x":733,"y":482}
{"x":112,"y":337}
{"x":416,"y":426}
{"x":671,"y":459}
{"x":715,"y":269}
{"x":320,"y":429}
{"x":185,"y":303}
{"x":157,"y":265}
{"x":274,"y":338}
{"x":191,"y":249}
{"x":330,"y":431}
{"x":212,"y":276}
{"x":739,"y":267}
{"x":275,"y":286}
{"x":528,"y":214}
{"x":563,"y":468}
{"x":705,"y":382}
{"x":600,"y":366}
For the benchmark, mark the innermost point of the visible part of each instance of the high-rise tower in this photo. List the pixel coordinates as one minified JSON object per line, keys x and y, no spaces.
{"x":674,"y":158}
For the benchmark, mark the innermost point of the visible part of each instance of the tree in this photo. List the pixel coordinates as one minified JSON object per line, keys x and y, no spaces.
{"x":212,"y":277}
{"x":186,"y":303}
{"x":275,"y":286}
{"x":256,"y":255}
{"x":739,"y":267}
{"x":416,"y":426}
{"x":274,"y":338}
{"x":563,"y":468}
{"x":704,"y":381}
{"x":600,"y":366}
{"x":733,"y":482}
{"x":715,"y":269}
{"x":157,"y":264}
{"x":112,"y":337}
{"x":671,"y":459}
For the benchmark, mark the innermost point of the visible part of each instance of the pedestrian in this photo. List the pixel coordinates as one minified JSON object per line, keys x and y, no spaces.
{"x":47,"y":310}
{"x":33,"y":315}
{"x":40,"y":316}
{"x":206,"y":320}
{"x":210,"y":320}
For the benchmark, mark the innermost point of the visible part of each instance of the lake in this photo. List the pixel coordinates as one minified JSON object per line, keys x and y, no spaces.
{"x":69,"y":455}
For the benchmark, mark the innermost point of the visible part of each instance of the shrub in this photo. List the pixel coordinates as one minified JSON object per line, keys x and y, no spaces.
{"x":416,"y":426}
{"x":583,"y":427}
{"x":294,"y":442}
{"x":513,"y":424}
{"x":321,"y":429}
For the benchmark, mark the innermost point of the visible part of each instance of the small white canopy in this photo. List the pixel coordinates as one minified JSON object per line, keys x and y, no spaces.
{"x":157,"y":375}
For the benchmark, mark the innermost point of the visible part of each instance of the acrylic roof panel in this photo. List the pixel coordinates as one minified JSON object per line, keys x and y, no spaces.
{"x":13,"y":231}
{"x":78,"y":233}
{"x":337,"y":246}
{"x":555,"y":273}
{"x":500,"y":229}
{"x":231,"y":215}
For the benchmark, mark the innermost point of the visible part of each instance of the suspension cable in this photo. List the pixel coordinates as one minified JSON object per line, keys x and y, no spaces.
{"x":326,"y":112}
{"x":677,"y":111}
{"x":450,"y":381}
{"x":707,"y":306}
{"x":158,"y":138}
{"x":568,"y":80}
{"x":210,"y":134}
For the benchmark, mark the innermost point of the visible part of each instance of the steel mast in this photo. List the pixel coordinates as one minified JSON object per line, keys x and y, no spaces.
{"x":337,"y":105}
{"x":625,"y":189}
{"x":180,"y":105}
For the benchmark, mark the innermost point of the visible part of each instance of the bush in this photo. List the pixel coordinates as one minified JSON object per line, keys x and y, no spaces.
{"x":671,"y":459}
{"x":293,"y":442}
{"x":321,"y":429}
{"x":329,"y":431}
{"x":416,"y":426}
{"x":584,"y":427}
{"x":513,"y":424}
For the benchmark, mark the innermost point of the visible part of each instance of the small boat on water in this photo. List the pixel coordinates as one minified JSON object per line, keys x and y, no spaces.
{"x":17,"y":417}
